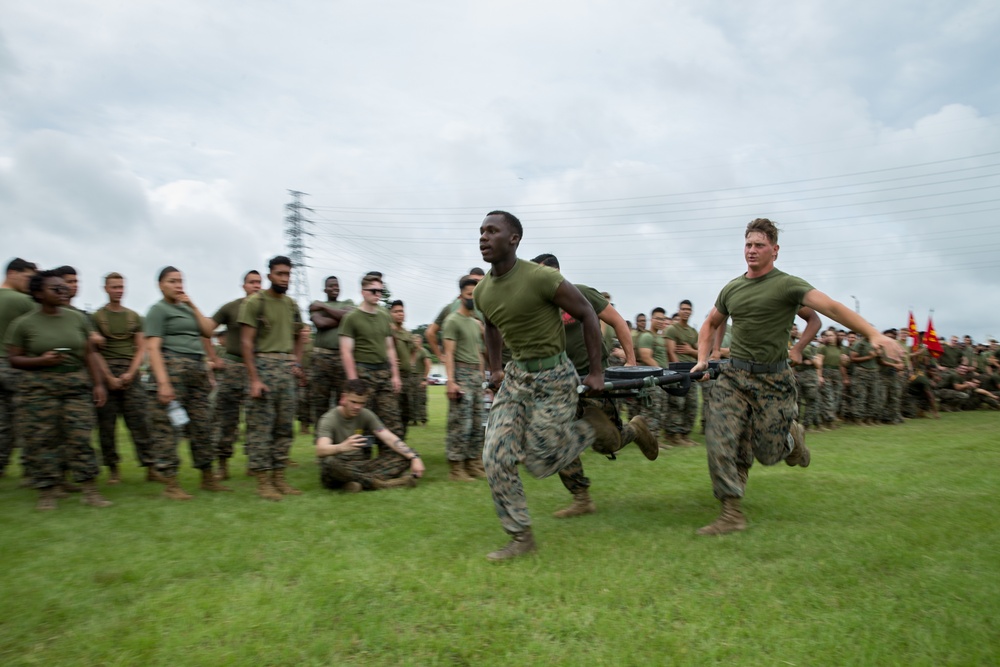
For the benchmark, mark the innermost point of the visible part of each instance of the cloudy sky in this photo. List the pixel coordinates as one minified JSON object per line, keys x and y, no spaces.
{"x":633,"y":138}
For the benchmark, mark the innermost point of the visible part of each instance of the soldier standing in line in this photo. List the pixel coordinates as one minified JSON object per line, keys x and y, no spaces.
{"x":420,"y":368}
{"x":431,"y":335}
{"x":272,"y":355}
{"x":326,"y":374}
{"x":124,"y":350}
{"x":650,"y":350}
{"x":14,"y":302}
{"x":303,"y":397}
{"x":833,"y":377}
{"x":890,"y":379}
{"x":809,"y":380}
{"x":753,"y":402}
{"x":404,"y":353}
{"x":682,"y":345}
{"x":532,"y":420}
{"x":865,"y":384}
{"x":231,"y":378}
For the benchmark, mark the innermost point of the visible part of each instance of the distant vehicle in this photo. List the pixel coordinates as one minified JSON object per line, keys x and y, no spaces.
{"x":436,"y":378}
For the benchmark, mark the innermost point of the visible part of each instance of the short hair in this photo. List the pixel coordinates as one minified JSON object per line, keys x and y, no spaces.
{"x":765,"y":227}
{"x":369,"y":279}
{"x":476,"y":271}
{"x":686,"y":302}
{"x":547,"y":259}
{"x":674,"y":317}
{"x":251,"y":272}
{"x":329,"y":278}
{"x":20,"y":265}
{"x":511,"y":220}
{"x":37,"y":280}
{"x":397,"y":302}
{"x":65,"y":270}
{"x":279,"y":260}
{"x":658,"y":310}
{"x":465,"y":282}
{"x":642,"y":315}
{"x":356,"y":386}
{"x":165,"y":270}
{"x":376,"y":274}
{"x":114,"y":275}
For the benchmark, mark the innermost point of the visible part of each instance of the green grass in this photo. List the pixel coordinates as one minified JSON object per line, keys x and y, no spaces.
{"x":883,"y":552}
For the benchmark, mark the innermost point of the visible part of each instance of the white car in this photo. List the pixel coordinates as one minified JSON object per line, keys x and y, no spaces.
{"x":436,"y":378}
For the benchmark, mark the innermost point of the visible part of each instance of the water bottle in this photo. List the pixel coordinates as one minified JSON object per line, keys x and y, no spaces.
{"x":178,"y":415}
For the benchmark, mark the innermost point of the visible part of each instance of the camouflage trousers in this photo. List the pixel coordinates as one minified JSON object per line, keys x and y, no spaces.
{"x":8,"y":423}
{"x":130,"y":403}
{"x":57,"y":412}
{"x":832,"y":392}
{"x":271,"y":418}
{"x":303,"y":404}
{"x":189,"y":380}
{"x":381,"y":398}
{"x":465,"y":416}
{"x":682,"y":412}
{"x":651,"y":406}
{"x":336,"y":471}
{"x":403,"y":398}
{"x":418,"y":399}
{"x":231,"y":393}
{"x":751,"y":418}
{"x":891,"y":394}
{"x":809,"y":399}
{"x":864,"y":394}
{"x":951,"y":398}
{"x":326,"y":377}
{"x":572,"y":476}
{"x":706,"y":392}
{"x":532,"y":423}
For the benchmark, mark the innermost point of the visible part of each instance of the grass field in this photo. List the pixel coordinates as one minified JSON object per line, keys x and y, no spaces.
{"x":883,"y":552}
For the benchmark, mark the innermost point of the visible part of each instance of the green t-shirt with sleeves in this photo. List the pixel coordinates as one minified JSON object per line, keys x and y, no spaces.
{"x":276,"y":319}
{"x":646,"y":340}
{"x":329,"y":339}
{"x":334,"y":425}
{"x":763,"y":310}
{"x":519,"y":303}
{"x":418,"y":361}
{"x":118,"y":329}
{"x":660,"y":351}
{"x":863,"y":348}
{"x":831,"y":356}
{"x":36,"y":333}
{"x":13,"y":304}
{"x":176,"y":325}
{"x":369,"y":331}
{"x":228,"y":315}
{"x":683,"y":333}
{"x":467,"y":334}
{"x":808,"y":354}
{"x":404,"y":346}
{"x":576,"y":344}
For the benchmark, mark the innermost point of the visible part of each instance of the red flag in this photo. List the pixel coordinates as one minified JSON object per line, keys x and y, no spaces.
{"x":913,"y":333}
{"x":931,"y":340}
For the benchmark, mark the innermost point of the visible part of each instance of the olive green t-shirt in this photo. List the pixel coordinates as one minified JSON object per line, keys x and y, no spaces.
{"x":334,"y":425}
{"x":576,"y":344}
{"x":13,"y":304}
{"x":681,"y":333}
{"x":763,"y":310}
{"x":950,"y":356}
{"x":418,"y":361}
{"x":228,"y":315}
{"x":369,"y":331}
{"x":175,"y":323}
{"x":831,"y":356}
{"x":118,"y":329}
{"x":519,"y":303}
{"x":276,"y":319}
{"x":647,"y":340}
{"x":329,"y":339}
{"x":808,"y":354}
{"x":404,"y":346}
{"x":863,"y":348}
{"x":949,"y":380}
{"x":36,"y":333}
{"x":466,"y":332}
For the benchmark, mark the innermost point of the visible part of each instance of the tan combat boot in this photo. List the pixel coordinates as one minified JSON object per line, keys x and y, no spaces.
{"x":637,"y":430}
{"x":115,"y":477}
{"x":458,"y":473}
{"x":475,"y":469}
{"x":799,"y":455}
{"x":46,"y":499}
{"x":282,"y":485}
{"x":92,"y":497}
{"x":209,"y":481}
{"x":607,"y":439}
{"x":223,"y":473}
{"x":265,"y":486}
{"x":174,"y":490}
{"x":353,"y":487}
{"x":730,"y":521}
{"x":408,"y":481}
{"x":582,"y":504}
{"x":520,"y":544}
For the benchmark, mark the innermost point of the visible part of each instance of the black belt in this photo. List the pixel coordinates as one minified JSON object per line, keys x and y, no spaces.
{"x":754,"y":367}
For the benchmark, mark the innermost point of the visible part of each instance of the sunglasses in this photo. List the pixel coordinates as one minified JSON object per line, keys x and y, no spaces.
{"x":372,"y":290}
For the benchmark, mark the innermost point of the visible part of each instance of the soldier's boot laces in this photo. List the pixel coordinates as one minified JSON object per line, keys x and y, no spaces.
{"x":582,"y":504}
{"x":174,"y":490}
{"x":642,"y":436}
{"x":799,"y":455}
{"x":730,"y":520}
{"x":47,"y":500}
{"x":282,"y":485}
{"x":521,"y":544}
{"x":457,"y":472}
{"x":607,"y":439}
{"x":93,"y":497}
{"x":265,"y":487}
{"x":474,"y":468}
{"x":209,"y":481}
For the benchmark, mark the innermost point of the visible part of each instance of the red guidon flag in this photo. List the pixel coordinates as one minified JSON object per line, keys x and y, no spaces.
{"x":931,"y":340}
{"x":912,"y":332}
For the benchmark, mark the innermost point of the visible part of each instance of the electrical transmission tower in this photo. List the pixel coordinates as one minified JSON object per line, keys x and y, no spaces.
{"x":295,"y":232}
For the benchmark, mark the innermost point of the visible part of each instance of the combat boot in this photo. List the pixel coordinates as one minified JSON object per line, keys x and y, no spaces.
{"x":582,"y":504}
{"x":475,"y":469}
{"x":92,"y":497}
{"x":799,"y":455}
{"x":353,"y":487}
{"x":282,"y":485}
{"x":265,"y":486}
{"x":209,"y":481}
{"x":46,"y":499}
{"x":637,"y":430}
{"x":68,"y":486}
{"x":174,"y":490}
{"x":408,"y":481}
{"x":685,"y":440}
{"x":672,"y":440}
{"x":607,"y":440}
{"x":458,"y":473}
{"x":520,"y":544}
{"x":223,"y":473}
{"x":115,"y":477}
{"x":730,"y":520}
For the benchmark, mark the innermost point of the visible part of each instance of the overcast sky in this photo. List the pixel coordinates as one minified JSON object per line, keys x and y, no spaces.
{"x":634,"y":139}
